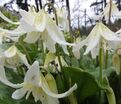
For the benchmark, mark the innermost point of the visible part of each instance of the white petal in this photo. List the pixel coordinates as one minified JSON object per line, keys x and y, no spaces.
{"x":18,"y":94}
{"x":55,"y":33}
{"x":94,"y":39}
{"x":4,"y":79}
{"x":15,"y":32}
{"x":27,"y":16}
{"x":12,"y":51}
{"x":8,"y":20}
{"x":108,"y":34}
{"x":32,"y":75}
{"x":27,"y":27}
{"x":50,"y":44}
{"x":43,"y":85}
{"x":95,"y":52}
{"x":41,"y":21}
{"x":77,"y":47}
{"x":23,"y":59}
{"x":32,"y":37}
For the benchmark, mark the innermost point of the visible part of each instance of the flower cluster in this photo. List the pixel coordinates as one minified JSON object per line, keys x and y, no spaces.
{"x":38,"y":26}
{"x":38,"y":47}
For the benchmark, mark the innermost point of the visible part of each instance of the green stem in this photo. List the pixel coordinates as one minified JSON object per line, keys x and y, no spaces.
{"x":26,"y":52}
{"x":101,"y":64}
{"x":120,"y":74}
{"x":101,"y":73}
{"x":106,"y":59}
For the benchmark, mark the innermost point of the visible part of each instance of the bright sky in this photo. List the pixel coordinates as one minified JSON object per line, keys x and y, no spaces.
{"x":72,"y":2}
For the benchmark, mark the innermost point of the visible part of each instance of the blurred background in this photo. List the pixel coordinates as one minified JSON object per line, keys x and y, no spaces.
{"x":81,"y":11}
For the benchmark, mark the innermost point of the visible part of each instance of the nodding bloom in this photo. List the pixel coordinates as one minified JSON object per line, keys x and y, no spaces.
{"x":38,"y":25}
{"x":12,"y":57}
{"x":62,"y":15}
{"x":43,"y":88}
{"x":100,"y":36}
{"x":109,"y":11}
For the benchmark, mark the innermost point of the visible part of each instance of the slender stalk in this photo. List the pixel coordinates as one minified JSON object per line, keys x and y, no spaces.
{"x":109,"y":21}
{"x":36,"y":2}
{"x":101,"y":72}
{"x":106,"y":59}
{"x":120,"y":74}
{"x":69,"y":15}
{"x":101,"y":64}
{"x":26,"y":52}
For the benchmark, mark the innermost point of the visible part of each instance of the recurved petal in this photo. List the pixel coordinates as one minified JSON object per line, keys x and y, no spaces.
{"x":43,"y":85}
{"x":4,"y":79}
{"x":32,"y":37}
{"x":55,"y":33}
{"x":18,"y":94}
{"x":7,"y":19}
{"x":16,"y":32}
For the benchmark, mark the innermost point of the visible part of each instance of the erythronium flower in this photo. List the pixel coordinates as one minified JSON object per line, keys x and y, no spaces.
{"x":99,"y":34}
{"x":62,"y":15}
{"x":13,"y":57}
{"x":114,"y":11}
{"x":38,"y":25}
{"x":40,"y":86}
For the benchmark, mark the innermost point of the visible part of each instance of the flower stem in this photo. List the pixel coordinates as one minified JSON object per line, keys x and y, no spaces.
{"x":101,"y":72}
{"x":101,"y":64}
{"x":26,"y":52}
{"x":106,"y":59}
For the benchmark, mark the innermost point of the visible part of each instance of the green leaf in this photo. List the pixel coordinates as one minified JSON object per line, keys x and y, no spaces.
{"x":87,"y":84}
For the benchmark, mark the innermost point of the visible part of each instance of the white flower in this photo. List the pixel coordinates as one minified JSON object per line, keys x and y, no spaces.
{"x":114,"y":11}
{"x":100,"y":33}
{"x":12,"y":57}
{"x":39,"y":26}
{"x":62,"y":15}
{"x":42,"y":88}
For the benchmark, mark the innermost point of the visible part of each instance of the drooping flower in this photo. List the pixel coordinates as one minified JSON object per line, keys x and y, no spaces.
{"x":38,"y":25}
{"x":12,"y":57}
{"x":111,"y":10}
{"x":62,"y":15}
{"x":100,"y":34}
{"x":114,"y":12}
{"x":42,"y":88}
